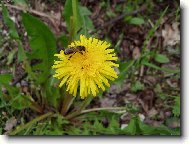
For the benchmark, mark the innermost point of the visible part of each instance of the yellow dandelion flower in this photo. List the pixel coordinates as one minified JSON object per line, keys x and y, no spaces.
{"x":89,"y":69}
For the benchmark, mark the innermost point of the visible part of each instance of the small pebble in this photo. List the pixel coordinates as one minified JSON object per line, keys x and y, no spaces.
{"x":18,"y":85}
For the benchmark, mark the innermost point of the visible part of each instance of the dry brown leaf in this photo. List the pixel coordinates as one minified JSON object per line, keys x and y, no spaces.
{"x":171,"y":34}
{"x":153,"y":112}
{"x":130,"y":97}
{"x":10,"y":124}
{"x":106,"y":102}
{"x":151,"y":80}
{"x":145,"y":107}
{"x":136,"y":53}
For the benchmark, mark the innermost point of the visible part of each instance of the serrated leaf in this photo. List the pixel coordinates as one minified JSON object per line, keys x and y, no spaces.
{"x":43,"y":45}
{"x":131,"y":128}
{"x":19,"y":101}
{"x":161,"y":58}
{"x":137,"y":127}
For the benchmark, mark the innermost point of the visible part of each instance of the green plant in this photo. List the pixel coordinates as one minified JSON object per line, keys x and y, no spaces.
{"x":54,"y":108}
{"x":176,"y":107}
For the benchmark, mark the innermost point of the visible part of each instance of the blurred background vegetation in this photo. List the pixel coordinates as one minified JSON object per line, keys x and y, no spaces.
{"x":146,"y":38}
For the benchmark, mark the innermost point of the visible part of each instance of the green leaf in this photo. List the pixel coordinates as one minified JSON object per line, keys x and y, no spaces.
{"x":131,"y":129}
{"x":21,"y":3}
{"x":84,"y":11}
{"x":98,"y":127}
{"x":43,"y":45}
{"x":16,"y":100}
{"x":1,"y":131}
{"x":68,"y":13}
{"x":13,"y":33}
{"x":63,"y":39}
{"x":136,"y":86}
{"x":123,"y":68}
{"x":176,"y":107}
{"x":161,"y":58}
{"x":146,"y":63}
{"x":137,"y":127}
{"x":136,"y":21}
{"x":87,"y":23}
{"x":11,"y":56}
{"x":52,"y":92}
{"x":110,"y":14}
{"x":9,"y":23}
{"x":152,"y":32}
{"x":4,"y":81}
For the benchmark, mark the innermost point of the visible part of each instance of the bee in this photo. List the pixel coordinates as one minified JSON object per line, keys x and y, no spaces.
{"x":73,"y":50}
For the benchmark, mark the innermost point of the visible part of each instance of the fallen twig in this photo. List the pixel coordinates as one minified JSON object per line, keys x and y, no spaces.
{"x":119,"y":18}
{"x":32,"y":11}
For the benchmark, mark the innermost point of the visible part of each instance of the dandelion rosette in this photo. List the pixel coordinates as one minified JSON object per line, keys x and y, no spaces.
{"x":90,"y":70}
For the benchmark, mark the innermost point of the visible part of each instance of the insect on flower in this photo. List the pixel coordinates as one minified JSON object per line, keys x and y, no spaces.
{"x":73,"y":50}
{"x":86,"y":65}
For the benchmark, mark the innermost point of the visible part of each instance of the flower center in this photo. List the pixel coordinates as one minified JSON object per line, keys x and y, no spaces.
{"x":87,"y":63}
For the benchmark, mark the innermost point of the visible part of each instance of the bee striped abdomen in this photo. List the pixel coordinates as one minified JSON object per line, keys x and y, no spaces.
{"x":73,"y":50}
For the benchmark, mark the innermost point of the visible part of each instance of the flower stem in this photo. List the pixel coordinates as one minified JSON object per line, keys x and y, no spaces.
{"x":34,"y":105}
{"x":72,"y":29}
{"x":44,"y":101}
{"x":74,"y":10}
{"x":85,"y":103}
{"x":73,"y":21}
{"x":67,"y":101}
{"x":20,"y":128}
{"x":104,"y":108}
{"x":74,"y":114}
{"x":83,"y":106}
